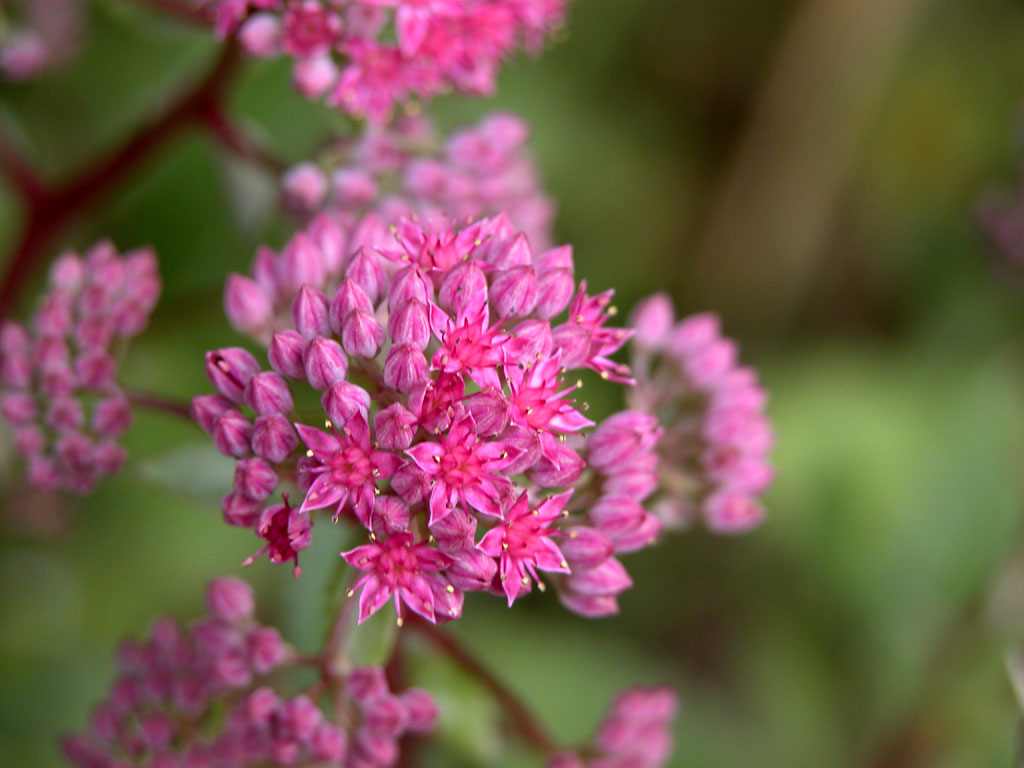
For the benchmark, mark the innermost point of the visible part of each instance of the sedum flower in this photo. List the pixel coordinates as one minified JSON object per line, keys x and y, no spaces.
{"x":58,"y":383}
{"x":421,"y":387}
{"x":210,"y":694}
{"x":712,"y":458}
{"x":366,"y":56}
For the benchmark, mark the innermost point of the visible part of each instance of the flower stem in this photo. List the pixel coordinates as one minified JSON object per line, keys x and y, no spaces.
{"x":160,"y":403}
{"x":49,"y":210}
{"x":531,"y":731}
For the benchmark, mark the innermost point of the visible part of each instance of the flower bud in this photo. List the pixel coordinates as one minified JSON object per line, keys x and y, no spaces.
{"x":619,"y":437}
{"x":353,"y":187}
{"x":471,"y":569}
{"x":305,"y":189}
{"x":639,"y":537}
{"x":693,"y":333}
{"x":230,"y":599}
{"x":365,"y":684}
{"x":409,"y":283}
{"x":514,"y":252}
{"x":409,"y":324}
{"x":260,"y":35}
{"x":523,"y":446}
{"x":390,"y":515}
{"x":384,"y":715}
{"x":266,"y":650}
{"x":273,"y":438}
{"x":394,"y":427}
{"x":53,"y":318}
{"x":314,"y":76}
{"x":240,"y":510}
{"x":377,"y":749}
{"x":230,"y":369}
{"x":361,"y":334}
{"x":95,"y":332}
{"x":617,"y":515}
{"x":328,"y":744}
{"x":706,"y":366}
{"x":19,"y":408}
{"x":652,"y":320}
{"x":232,"y":434}
{"x":365,"y":270}
{"x":286,"y":354}
{"x":726,"y":511}
{"x":268,"y":393}
{"x":301,"y":263}
{"x":514,"y":292}
{"x":67,"y":272}
{"x":248,"y":307}
{"x":95,"y":369}
{"x":325,"y":363}
{"x":74,"y":450}
{"x":405,"y":367}
{"x":205,"y":410}
{"x":349,"y":298}
{"x":255,"y":478}
{"x":43,"y":473}
{"x":29,"y":441}
{"x":109,"y":457}
{"x":554,"y":291}
{"x":490,"y":411}
{"x":330,"y":238}
{"x":585,"y":547}
{"x":343,"y":400}
{"x":464,"y":287}
{"x":309,"y":313}
{"x":564,"y":470}
{"x":609,"y":578}
{"x":64,"y":413}
{"x":421,"y":708}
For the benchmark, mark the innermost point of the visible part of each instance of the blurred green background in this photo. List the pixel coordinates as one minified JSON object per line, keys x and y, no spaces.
{"x":811,"y":170}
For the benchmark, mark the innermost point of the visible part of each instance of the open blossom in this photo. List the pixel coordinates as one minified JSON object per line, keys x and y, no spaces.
{"x":442,"y":358}
{"x":365,"y":56}
{"x":403,"y":169}
{"x":58,"y":384}
{"x":207,"y":695}
{"x":712,"y":456}
{"x":636,"y":733}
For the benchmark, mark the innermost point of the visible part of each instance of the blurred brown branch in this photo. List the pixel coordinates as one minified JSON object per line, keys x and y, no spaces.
{"x":770,"y":216}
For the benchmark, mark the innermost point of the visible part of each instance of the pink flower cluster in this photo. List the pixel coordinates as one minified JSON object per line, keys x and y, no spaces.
{"x":170,"y":685}
{"x":402,"y":171}
{"x":635,"y":734}
{"x":713,"y":453}
{"x":343,"y":49}
{"x":58,"y":385}
{"x":445,"y":405}
{"x":166,"y":709}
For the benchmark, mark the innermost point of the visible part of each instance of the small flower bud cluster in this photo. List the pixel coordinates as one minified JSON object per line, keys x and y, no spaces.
{"x":58,"y":385}
{"x":400,"y":171}
{"x":203,"y":698}
{"x":343,"y":49}
{"x":714,"y":450}
{"x":635,"y":734}
{"x":444,"y":380}
{"x":379,"y":718}
{"x":169,"y":686}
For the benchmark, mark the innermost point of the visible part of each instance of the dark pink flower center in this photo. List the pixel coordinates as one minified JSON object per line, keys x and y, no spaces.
{"x":459,"y":466}
{"x":350,"y":467}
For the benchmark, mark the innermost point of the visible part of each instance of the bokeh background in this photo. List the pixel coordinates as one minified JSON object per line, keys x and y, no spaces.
{"x":811,"y":170}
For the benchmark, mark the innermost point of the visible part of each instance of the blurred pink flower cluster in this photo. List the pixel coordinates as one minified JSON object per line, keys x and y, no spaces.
{"x":635,"y":734}
{"x":39,"y":34}
{"x":364,"y":56}
{"x":714,"y":450}
{"x":58,"y":385}
{"x":205,"y":697}
{"x":403,"y":170}
{"x":421,"y":385}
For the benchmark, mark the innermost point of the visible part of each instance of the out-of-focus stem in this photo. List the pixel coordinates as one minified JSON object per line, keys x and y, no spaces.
{"x":769,"y":218}
{"x":531,"y":731}
{"x":160,"y":403}
{"x":238,"y":142}
{"x":50,"y":210}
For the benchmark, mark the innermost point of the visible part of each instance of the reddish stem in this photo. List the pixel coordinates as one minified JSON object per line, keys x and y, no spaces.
{"x":237,"y":141}
{"x":50,"y":210}
{"x":160,"y":403}
{"x":532,"y":732}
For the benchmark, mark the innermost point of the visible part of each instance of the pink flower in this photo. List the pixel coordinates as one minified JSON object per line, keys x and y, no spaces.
{"x":462,"y":468}
{"x":523,"y":542}
{"x":398,"y":566}
{"x":469,"y":343}
{"x":286,"y":531}
{"x":346,"y":468}
{"x":539,"y":404}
